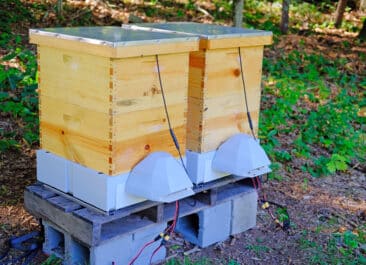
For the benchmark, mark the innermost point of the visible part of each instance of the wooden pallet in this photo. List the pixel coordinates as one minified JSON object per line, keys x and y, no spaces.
{"x":92,"y":228}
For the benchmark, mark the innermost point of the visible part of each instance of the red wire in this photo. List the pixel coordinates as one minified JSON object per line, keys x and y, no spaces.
{"x":254,"y":185}
{"x":171,"y":228}
{"x":155,"y":251}
{"x":139,"y":253}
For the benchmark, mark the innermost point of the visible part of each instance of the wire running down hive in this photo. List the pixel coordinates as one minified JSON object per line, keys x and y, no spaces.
{"x":100,"y":101}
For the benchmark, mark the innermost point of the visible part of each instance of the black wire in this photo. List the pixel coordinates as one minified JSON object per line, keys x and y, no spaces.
{"x":245,"y":95}
{"x":175,"y":140}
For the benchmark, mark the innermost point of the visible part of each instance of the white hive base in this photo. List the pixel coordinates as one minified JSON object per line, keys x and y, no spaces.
{"x":102,"y":191}
{"x":199,"y":167}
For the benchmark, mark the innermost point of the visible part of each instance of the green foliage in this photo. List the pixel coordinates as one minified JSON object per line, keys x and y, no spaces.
{"x":341,"y":248}
{"x":52,"y":260}
{"x":258,"y":249}
{"x":314,"y":102}
{"x":187,"y":261}
{"x":18,"y":98}
{"x":203,"y":261}
{"x":12,"y":12}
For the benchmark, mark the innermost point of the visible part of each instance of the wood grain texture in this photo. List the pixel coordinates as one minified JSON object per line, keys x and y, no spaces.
{"x":114,"y":52}
{"x":246,"y":41}
{"x":75,"y":78}
{"x":216,"y":106}
{"x":108,"y":114}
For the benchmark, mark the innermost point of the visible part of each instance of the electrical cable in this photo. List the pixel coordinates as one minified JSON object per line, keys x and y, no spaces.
{"x":172,"y":134}
{"x":155,"y":251}
{"x":286,"y":223}
{"x":245,"y":95}
{"x":170,"y":229}
{"x":140,"y":251}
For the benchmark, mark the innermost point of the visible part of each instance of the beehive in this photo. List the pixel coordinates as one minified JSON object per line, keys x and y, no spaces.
{"x":100,"y":100}
{"x":216,"y":105}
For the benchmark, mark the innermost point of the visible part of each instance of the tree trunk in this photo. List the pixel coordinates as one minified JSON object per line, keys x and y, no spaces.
{"x":238,"y":6}
{"x":363,"y":5}
{"x":59,"y":8}
{"x":285,"y":16}
{"x":339,"y":13}
{"x":362,"y":34}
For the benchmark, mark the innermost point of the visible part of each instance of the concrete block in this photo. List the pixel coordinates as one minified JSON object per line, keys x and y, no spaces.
{"x":143,"y":236}
{"x":244,"y":212}
{"x":54,"y":241}
{"x":120,"y":249}
{"x":208,"y":226}
{"x":100,"y":190}
{"x":199,"y":167}
{"x":76,"y":253}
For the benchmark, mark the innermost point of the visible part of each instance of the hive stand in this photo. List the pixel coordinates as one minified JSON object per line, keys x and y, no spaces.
{"x":78,"y":234}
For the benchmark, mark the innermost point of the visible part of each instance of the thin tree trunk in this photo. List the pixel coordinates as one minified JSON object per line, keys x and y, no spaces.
{"x":339,"y":13}
{"x":362,"y":34}
{"x":285,"y":16}
{"x":59,"y":8}
{"x":363,"y":5}
{"x":238,"y":6}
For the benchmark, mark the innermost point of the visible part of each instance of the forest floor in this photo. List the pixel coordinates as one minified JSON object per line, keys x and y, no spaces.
{"x":321,"y":210}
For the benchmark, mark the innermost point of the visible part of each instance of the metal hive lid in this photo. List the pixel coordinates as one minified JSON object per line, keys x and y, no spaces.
{"x":206,"y":31}
{"x":112,"y":36}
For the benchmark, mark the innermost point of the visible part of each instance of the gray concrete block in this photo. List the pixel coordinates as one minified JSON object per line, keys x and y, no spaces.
{"x":244,"y":212}
{"x":75,"y":253}
{"x":120,"y":249}
{"x":54,"y":241}
{"x":208,"y":226}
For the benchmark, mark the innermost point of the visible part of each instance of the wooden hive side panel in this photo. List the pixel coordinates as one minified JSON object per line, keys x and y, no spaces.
{"x":75,"y":133}
{"x":224,"y":103}
{"x":244,"y":41}
{"x":139,"y":121}
{"x":74,"y":92}
{"x":196,"y":93}
{"x":76,"y":78}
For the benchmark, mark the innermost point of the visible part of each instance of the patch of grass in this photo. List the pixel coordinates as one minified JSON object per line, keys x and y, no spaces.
{"x":258,"y":249}
{"x":346,"y":248}
{"x":52,"y":260}
{"x":203,"y":261}
{"x":314,"y":101}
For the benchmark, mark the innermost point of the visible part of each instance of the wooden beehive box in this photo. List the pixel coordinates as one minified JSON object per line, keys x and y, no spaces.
{"x":216,"y":106}
{"x":100,"y":100}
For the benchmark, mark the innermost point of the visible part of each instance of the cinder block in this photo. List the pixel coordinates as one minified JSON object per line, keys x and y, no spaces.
{"x":76,"y":253}
{"x":100,"y":190}
{"x":54,"y":241}
{"x":143,"y":236}
{"x":199,"y":167}
{"x":120,"y":249}
{"x":244,"y":212}
{"x":208,"y":226}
